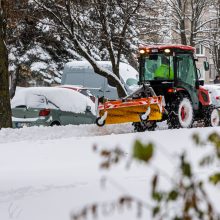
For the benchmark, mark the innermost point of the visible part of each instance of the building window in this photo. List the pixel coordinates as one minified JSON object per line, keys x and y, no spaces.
{"x":200,"y":50}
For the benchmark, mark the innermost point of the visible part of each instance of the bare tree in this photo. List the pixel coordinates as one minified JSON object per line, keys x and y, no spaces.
{"x":95,"y":24}
{"x":196,"y":22}
{"x":5,"y":108}
{"x":188,"y":20}
{"x":213,"y":36}
{"x":16,"y":18}
{"x":155,"y":25}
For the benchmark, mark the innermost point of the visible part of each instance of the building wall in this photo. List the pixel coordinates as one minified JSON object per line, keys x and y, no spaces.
{"x":202,"y":50}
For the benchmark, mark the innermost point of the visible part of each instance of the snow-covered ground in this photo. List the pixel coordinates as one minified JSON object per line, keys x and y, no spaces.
{"x":49,"y":173}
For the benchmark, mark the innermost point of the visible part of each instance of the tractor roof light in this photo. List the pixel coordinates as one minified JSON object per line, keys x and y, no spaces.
{"x":167,"y":50}
{"x":154,"y":50}
{"x":142,"y":51}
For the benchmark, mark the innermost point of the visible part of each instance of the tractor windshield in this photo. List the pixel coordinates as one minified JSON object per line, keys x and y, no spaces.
{"x":158,"y":67}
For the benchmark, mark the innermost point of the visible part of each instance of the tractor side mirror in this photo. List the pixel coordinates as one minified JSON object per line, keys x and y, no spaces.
{"x":206,"y":65}
{"x":201,"y":82}
{"x":199,"y":73}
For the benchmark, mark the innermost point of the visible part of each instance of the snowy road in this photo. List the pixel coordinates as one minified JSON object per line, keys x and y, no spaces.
{"x":56,"y":132}
{"x":50,"y":133}
{"x":47,"y":173}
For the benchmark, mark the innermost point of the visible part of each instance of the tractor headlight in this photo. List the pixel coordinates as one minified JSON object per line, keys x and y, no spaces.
{"x":167,"y":50}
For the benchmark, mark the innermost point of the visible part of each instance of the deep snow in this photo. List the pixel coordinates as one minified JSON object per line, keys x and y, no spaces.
{"x":48,"y":173}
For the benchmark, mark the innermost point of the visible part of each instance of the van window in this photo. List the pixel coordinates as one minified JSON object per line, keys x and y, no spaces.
{"x":131,"y":81}
{"x":74,"y":76}
{"x":92,"y":79}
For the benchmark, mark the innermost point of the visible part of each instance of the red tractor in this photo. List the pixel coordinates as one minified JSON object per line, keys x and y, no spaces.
{"x":169,"y":71}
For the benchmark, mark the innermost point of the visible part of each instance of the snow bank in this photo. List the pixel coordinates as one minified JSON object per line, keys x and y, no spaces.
{"x":68,"y":131}
{"x":54,"y":133}
{"x":48,"y":173}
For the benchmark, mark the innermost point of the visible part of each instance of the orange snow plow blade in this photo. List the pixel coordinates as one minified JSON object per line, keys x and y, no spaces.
{"x":122,"y":111}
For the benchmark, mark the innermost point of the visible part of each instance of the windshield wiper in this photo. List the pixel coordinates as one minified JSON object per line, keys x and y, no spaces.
{"x":48,"y":101}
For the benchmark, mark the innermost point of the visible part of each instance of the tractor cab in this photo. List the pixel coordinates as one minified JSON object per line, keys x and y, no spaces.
{"x":169,"y":68}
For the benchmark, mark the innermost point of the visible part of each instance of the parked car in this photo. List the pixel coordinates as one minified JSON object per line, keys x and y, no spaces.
{"x":214,"y":91}
{"x":81,"y":89}
{"x":48,"y":106}
{"x":82,"y":73}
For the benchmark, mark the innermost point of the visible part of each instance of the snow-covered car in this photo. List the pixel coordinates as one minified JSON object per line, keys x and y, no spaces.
{"x":48,"y":106}
{"x":214,"y":91}
{"x":81,"y":89}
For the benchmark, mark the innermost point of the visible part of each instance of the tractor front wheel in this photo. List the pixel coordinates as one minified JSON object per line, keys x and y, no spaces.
{"x":181,"y":113}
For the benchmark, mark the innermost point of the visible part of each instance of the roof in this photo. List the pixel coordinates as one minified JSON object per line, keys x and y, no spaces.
{"x":170,"y":46}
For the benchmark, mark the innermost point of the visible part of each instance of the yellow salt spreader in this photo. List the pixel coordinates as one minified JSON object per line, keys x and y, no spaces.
{"x":130,"y":109}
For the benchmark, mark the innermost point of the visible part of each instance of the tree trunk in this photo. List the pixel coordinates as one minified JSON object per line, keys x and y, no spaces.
{"x":14,"y":80}
{"x":218,"y":27}
{"x":183,"y":32}
{"x":5,"y":108}
{"x":218,"y":61}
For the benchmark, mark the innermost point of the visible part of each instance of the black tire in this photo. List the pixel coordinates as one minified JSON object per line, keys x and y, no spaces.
{"x":144,"y":125}
{"x":181,"y":113}
{"x":211,"y":117}
{"x":55,"y":123}
{"x":98,"y":123}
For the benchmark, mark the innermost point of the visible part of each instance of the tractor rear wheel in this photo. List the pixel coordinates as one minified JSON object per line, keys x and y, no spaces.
{"x":211,"y":117}
{"x":181,"y":113}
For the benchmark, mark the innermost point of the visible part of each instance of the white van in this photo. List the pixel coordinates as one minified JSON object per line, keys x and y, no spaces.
{"x":81,"y":73}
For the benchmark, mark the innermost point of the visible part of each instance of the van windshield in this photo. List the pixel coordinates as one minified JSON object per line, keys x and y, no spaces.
{"x":131,"y":81}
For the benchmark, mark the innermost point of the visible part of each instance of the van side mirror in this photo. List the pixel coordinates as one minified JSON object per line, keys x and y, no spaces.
{"x":88,"y":108}
{"x":206,"y":65}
